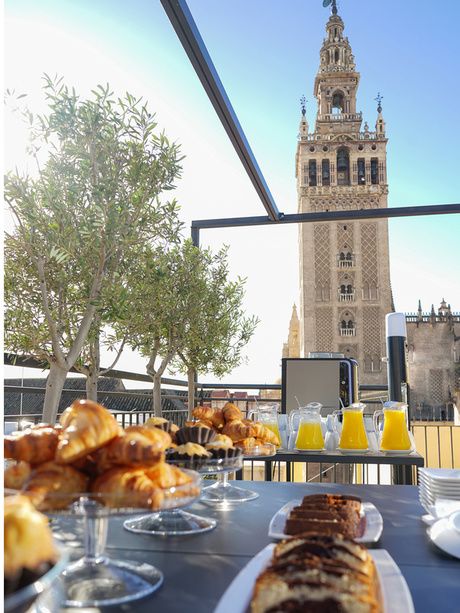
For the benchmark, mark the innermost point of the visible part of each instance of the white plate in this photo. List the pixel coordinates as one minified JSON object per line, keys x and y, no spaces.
{"x":395,"y":593}
{"x":353,"y":451}
{"x":372,"y":528}
{"x":310,"y":450}
{"x":445,"y":475}
{"x":445,"y":536}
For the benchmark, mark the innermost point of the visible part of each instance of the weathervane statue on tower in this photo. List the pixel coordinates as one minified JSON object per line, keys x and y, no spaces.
{"x":334,"y":5}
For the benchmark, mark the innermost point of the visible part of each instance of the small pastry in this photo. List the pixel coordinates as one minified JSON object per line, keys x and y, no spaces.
{"x":35,"y":445}
{"x":238,"y":431}
{"x":162,"y":423}
{"x":16,"y":475}
{"x":215,"y":416}
{"x":222,"y":447}
{"x":54,"y":486}
{"x":29,"y":550}
{"x":87,"y":426}
{"x":194,"y":423}
{"x":195,"y":434}
{"x":191,"y":454}
{"x":232,"y":412}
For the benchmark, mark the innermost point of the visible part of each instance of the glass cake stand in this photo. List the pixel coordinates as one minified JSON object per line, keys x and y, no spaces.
{"x":177,"y":522}
{"x":222,"y":494}
{"x":95,"y":579}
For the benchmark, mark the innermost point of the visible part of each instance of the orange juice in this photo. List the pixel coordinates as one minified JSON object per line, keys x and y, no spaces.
{"x":273,"y":426}
{"x":309,"y":436}
{"x":395,"y":435}
{"x":353,"y":431}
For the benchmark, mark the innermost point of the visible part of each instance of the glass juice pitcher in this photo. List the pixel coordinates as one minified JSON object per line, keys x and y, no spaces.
{"x":309,"y":433}
{"x":353,"y":435}
{"x":395,"y":435}
{"x":268,"y":416}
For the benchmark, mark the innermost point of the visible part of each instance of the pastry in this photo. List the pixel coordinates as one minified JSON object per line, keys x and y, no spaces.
{"x":195,"y":434}
{"x":29,"y":550}
{"x":238,"y":431}
{"x":222,"y":447}
{"x":54,"y":486}
{"x":16,"y":475}
{"x":128,"y":487}
{"x":162,"y":423}
{"x":326,"y":514}
{"x":232,"y":412}
{"x":191,"y":454}
{"x":194,"y":423}
{"x":34,"y":445}
{"x":215,"y":416}
{"x":318,"y":573}
{"x":136,"y":446}
{"x":87,"y":426}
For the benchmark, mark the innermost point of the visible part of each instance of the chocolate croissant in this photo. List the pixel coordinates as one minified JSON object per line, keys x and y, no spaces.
{"x":121,"y":487}
{"x":52,"y":486}
{"x":34,"y":445}
{"x":86,"y":427}
{"x":137,"y":446}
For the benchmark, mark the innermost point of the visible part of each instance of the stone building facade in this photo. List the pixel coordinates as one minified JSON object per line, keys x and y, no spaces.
{"x":345,"y":289}
{"x":433,"y":343}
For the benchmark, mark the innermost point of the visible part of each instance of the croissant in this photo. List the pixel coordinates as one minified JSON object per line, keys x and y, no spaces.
{"x":53,"y":486}
{"x":35,"y":445}
{"x":86,"y":427}
{"x":247,"y":443}
{"x":265,"y":434}
{"x":137,"y":446}
{"x":120,"y":487}
{"x":232,"y":412}
{"x":204,"y":423}
{"x":165,"y":475}
{"x":237,"y":431}
{"x":16,"y":475}
{"x":215,"y":416}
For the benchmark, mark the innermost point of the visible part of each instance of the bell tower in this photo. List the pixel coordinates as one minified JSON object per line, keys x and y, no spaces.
{"x":345,"y":289}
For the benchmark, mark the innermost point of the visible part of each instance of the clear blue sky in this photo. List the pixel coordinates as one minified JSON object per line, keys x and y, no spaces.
{"x":267,"y":54}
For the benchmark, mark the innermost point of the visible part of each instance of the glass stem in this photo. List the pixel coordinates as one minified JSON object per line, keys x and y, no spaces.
{"x":95,"y":530}
{"x":225,"y":479}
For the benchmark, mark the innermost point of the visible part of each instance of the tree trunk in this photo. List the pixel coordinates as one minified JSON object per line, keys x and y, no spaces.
{"x":91,"y":384}
{"x":54,"y":386}
{"x":191,"y":390}
{"x":157,"y":395}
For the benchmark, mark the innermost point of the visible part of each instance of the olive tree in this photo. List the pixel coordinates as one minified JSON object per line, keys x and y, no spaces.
{"x":93,"y":202}
{"x":215,"y":326}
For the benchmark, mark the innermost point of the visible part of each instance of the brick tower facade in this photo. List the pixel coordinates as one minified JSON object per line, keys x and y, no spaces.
{"x":345,"y":288}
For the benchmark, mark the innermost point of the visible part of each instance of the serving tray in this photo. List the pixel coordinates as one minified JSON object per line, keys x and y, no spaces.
{"x":371,"y":522}
{"x":395,"y":592}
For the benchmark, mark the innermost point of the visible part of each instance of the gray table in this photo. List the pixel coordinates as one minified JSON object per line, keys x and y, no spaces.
{"x":198,"y":569}
{"x":401,"y":465}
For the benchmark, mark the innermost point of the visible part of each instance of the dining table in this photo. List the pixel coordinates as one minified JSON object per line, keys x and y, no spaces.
{"x":198,"y":569}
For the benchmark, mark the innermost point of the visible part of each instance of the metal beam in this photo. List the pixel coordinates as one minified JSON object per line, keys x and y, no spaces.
{"x":402,"y":211}
{"x":188,"y":34}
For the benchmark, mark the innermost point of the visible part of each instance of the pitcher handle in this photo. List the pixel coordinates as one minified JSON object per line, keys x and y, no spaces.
{"x":335,"y":416}
{"x":375,"y":419}
{"x":291,"y":418}
{"x":250,"y":413}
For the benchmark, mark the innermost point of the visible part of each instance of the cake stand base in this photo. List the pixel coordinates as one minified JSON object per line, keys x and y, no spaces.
{"x":170,"y":523}
{"x":104,"y":582}
{"x":223,"y":494}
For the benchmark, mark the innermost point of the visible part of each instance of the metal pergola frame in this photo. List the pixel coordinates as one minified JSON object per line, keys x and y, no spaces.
{"x":185,"y":27}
